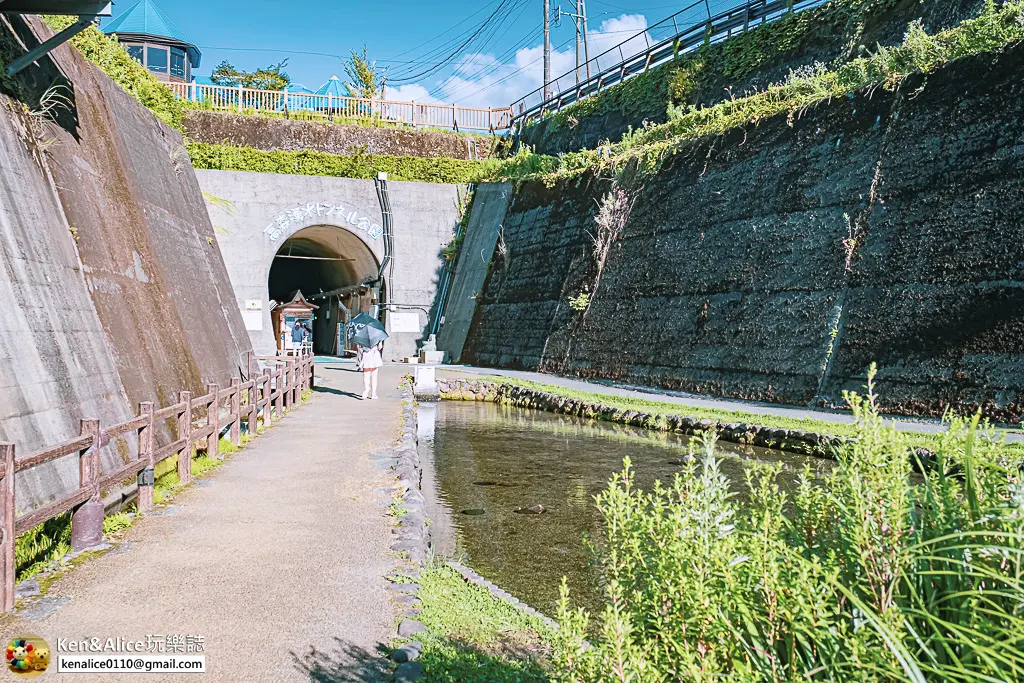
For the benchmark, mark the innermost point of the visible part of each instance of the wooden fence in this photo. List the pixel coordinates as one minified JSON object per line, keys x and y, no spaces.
{"x":263,"y":396}
{"x":283,"y":102}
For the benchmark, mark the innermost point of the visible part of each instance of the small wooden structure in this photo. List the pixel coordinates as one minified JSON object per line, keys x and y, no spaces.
{"x":285,"y":316}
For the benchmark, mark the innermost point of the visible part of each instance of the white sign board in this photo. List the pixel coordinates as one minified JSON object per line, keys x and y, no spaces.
{"x":405,"y":322}
{"x":253,"y":320}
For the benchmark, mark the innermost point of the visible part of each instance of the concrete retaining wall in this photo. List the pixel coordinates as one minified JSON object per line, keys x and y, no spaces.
{"x":490,"y":202}
{"x":113,"y":288}
{"x":271,"y":134}
{"x":731,"y":275}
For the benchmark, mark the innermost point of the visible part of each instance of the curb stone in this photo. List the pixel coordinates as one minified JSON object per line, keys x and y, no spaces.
{"x":792,"y":440}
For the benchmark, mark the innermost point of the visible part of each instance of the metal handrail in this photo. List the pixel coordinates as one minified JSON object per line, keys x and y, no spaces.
{"x":710,"y":30}
{"x":416,"y":114}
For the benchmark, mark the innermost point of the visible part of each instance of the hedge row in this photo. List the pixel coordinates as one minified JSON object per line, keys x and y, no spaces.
{"x":416,"y":169}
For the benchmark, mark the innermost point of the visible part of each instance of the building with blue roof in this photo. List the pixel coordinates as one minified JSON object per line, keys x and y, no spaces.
{"x":153,"y":40}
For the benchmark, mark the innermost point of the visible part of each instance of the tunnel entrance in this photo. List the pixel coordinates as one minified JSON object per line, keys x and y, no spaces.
{"x":333,"y":269}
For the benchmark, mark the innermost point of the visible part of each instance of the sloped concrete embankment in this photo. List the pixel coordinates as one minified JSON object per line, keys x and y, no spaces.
{"x":777,"y":261}
{"x":113,"y":288}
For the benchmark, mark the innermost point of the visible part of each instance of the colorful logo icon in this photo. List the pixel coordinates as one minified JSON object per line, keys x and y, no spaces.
{"x":28,"y":656}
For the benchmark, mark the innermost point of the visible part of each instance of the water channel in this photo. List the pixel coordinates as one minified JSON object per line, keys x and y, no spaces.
{"x":489,"y":460}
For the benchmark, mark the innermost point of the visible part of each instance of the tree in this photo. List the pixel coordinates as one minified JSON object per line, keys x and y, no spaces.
{"x":270,"y":77}
{"x":364,"y":79}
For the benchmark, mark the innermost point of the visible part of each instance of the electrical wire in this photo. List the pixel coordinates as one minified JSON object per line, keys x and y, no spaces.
{"x":461,"y":70}
{"x":455,"y":53}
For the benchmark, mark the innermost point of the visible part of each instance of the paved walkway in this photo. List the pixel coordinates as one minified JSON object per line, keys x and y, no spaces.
{"x":276,"y":559}
{"x":680,"y":398}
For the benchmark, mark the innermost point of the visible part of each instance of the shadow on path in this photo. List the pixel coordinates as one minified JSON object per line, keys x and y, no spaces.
{"x":337,"y":392}
{"x":347,"y":662}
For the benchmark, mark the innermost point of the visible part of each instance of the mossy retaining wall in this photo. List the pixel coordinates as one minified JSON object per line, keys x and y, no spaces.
{"x":778,"y":261}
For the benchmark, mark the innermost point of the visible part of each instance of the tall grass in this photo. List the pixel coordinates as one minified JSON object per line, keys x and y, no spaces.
{"x":871,"y":573}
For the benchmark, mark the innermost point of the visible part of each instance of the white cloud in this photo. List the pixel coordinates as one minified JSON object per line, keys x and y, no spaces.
{"x":483,"y":81}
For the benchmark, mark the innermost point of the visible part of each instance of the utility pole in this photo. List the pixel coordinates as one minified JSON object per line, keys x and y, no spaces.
{"x":547,"y":49}
{"x":582,"y":52}
{"x":586,"y":43}
{"x":578,"y":20}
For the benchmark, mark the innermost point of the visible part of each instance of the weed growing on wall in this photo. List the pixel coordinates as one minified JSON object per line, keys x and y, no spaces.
{"x":887,"y":67}
{"x":107,"y":54}
{"x":863,"y":574}
{"x":418,"y":169}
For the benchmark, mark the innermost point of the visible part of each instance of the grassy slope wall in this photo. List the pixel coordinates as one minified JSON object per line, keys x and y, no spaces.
{"x":836,"y":31}
{"x":731,"y":273}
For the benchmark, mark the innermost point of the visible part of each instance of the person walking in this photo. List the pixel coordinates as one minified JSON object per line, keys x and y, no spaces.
{"x":369,"y":360}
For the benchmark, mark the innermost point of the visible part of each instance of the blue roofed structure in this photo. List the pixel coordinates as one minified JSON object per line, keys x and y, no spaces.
{"x":334,"y":87}
{"x":155,"y":41}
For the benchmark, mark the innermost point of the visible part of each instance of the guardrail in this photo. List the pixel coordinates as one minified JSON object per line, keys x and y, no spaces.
{"x":659,"y":43}
{"x":239,"y":99}
{"x":263,"y":396}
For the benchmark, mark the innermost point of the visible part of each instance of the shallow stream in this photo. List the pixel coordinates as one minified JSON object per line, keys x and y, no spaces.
{"x":490,"y":460}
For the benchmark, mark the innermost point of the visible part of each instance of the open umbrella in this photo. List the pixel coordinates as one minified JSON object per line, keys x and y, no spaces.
{"x":365,"y":330}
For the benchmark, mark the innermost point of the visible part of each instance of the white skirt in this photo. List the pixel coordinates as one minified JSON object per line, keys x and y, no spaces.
{"x":370,"y":359}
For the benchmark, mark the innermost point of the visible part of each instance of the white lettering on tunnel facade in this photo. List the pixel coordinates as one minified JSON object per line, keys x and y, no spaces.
{"x":301,"y":214}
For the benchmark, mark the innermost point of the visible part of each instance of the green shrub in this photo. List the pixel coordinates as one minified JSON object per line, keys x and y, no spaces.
{"x":107,"y":54}
{"x":649,"y":147}
{"x":865,"y":573}
{"x":418,"y":169}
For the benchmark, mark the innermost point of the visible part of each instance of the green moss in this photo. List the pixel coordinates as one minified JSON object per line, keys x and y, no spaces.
{"x":474,"y":636}
{"x":107,"y":54}
{"x":416,"y":169}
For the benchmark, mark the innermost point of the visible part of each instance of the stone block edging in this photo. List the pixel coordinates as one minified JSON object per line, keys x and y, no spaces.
{"x":472,"y":577}
{"x":793,"y":440}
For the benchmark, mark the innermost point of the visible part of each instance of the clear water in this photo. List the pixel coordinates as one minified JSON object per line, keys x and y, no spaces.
{"x":490,"y":460}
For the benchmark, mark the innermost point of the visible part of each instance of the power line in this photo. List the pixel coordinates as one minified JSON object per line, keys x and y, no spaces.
{"x":460,"y":70}
{"x":455,"y":53}
{"x":488,"y":70}
{"x":519,"y":70}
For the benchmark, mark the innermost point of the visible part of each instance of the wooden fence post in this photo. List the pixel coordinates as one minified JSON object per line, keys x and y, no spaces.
{"x":213,"y":420}
{"x":254,"y":395}
{"x":87,"y":519}
{"x":236,"y":410}
{"x":7,"y":562}
{"x":146,"y":475}
{"x":296,"y":382}
{"x":267,"y":394}
{"x":185,"y":432}
{"x":288,"y":373}
{"x":312,"y":369}
{"x":279,"y":393}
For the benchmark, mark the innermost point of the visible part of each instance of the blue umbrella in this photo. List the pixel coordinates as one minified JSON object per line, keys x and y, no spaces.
{"x":365,"y":330}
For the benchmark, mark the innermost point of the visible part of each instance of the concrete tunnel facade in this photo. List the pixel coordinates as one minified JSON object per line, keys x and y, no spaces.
{"x":279,"y":233}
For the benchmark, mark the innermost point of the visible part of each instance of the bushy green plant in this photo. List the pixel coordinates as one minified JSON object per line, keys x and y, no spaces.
{"x":418,"y":169}
{"x":866,"y":573}
{"x":886,"y":67}
{"x":105,"y":52}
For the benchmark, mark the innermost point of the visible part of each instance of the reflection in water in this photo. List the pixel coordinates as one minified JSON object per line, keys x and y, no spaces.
{"x":492,"y":460}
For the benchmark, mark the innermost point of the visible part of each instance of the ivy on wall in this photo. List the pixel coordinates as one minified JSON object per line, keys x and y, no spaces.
{"x":360,"y":165}
{"x":110,"y":57}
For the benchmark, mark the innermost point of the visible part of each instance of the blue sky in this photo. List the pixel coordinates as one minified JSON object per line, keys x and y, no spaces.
{"x":502,"y":64}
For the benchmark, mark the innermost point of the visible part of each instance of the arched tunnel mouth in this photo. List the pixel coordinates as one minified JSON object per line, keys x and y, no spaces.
{"x":335,"y":271}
